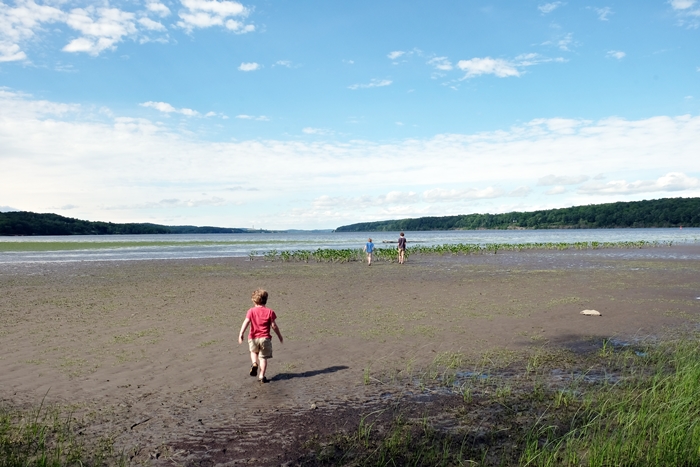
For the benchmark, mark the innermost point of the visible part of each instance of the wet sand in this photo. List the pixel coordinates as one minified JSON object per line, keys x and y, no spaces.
{"x":148,"y":349}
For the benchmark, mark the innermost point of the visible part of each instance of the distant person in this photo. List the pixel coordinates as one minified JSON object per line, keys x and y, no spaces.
{"x":369,"y":248}
{"x":402,"y":248}
{"x":261,"y":319}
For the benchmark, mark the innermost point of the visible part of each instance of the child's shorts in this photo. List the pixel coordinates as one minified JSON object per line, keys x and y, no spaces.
{"x":261,"y":346}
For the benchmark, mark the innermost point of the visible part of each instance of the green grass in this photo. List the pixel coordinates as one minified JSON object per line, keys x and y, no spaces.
{"x":649,"y":415}
{"x":49,"y":437}
{"x":646,"y":420}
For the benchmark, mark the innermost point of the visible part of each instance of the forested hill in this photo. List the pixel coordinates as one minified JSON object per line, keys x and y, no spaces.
{"x":668,"y":212}
{"x":30,"y":223}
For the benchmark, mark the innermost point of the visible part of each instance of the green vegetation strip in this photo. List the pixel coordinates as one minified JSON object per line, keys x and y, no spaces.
{"x":391,"y":254}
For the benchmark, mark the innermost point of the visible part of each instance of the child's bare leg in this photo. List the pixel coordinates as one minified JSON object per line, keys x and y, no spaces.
{"x":254,"y":358}
{"x":263,"y":367}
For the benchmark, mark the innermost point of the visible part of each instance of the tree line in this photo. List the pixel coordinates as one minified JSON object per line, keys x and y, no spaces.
{"x":31,"y":223}
{"x":667,"y":212}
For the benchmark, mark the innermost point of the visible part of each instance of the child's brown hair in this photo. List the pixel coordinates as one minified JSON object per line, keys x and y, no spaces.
{"x":260,"y":297}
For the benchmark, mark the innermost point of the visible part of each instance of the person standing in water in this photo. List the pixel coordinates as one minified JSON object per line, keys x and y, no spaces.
{"x":402,"y":249}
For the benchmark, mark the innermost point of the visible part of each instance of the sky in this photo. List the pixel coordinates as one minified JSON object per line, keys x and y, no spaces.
{"x":316,"y":114}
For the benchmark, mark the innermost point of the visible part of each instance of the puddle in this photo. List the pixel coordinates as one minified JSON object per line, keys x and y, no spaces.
{"x":471,"y":375}
{"x":590,"y":377}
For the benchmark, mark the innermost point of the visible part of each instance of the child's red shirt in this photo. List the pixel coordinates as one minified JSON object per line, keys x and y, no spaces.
{"x":261,"y":319}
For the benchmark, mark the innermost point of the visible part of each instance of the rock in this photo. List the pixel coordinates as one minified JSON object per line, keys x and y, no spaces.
{"x":591,"y":313}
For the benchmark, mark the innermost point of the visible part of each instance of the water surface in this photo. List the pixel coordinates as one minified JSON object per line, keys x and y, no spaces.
{"x":172,"y":246}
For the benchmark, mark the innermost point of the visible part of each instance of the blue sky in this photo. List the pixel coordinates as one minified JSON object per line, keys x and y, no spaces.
{"x":319,"y":114}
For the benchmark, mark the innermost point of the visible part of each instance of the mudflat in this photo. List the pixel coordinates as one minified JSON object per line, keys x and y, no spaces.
{"x":148,"y":349}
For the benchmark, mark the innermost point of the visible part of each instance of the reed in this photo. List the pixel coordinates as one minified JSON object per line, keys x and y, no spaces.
{"x":651,"y":420}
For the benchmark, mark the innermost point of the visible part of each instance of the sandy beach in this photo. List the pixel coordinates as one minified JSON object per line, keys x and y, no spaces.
{"x":147,"y":350}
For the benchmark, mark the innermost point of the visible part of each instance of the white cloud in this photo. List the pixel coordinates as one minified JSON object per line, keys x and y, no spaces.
{"x":171,"y":203}
{"x":681,"y":4}
{"x":565,"y":42}
{"x":23,"y":106}
{"x":20,"y":23}
{"x":63,"y":154}
{"x":334,"y":203}
{"x":671,"y":182}
{"x":441,"y":195}
{"x":549,"y":7}
{"x":65,"y":207}
{"x":557,"y":190}
{"x":160,"y":106}
{"x":604,"y":13}
{"x":531,"y":59}
{"x":440,"y":63}
{"x":285,"y":63}
{"x":375,"y":83}
{"x":316,"y":131}
{"x":551,"y":180}
{"x":488,"y":66}
{"x":618,"y":54}
{"x":259,"y":118}
{"x":687,"y":15}
{"x":520,"y":192}
{"x":239,"y":27}
{"x":11,"y":52}
{"x":158,"y":8}
{"x":396,"y":54}
{"x":167,"y":108}
{"x":208,"y":13}
{"x":250,"y":66}
{"x":101,"y":28}
{"x":151,"y":25}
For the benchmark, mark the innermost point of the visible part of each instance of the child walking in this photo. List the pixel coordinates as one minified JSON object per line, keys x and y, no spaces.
{"x":261,"y":319}
{"x":369,"y":248}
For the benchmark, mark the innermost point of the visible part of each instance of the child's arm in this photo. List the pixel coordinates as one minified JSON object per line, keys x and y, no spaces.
{"x":277,"y":331}
{"x":243,"y":328}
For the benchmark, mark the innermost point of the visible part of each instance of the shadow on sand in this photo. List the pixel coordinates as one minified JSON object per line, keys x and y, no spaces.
{"x":308,"y":374}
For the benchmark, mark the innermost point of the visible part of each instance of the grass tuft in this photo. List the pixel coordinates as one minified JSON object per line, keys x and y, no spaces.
{"x":48,"y":437}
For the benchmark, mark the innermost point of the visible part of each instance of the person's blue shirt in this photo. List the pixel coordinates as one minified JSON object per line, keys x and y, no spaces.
{"x":369,"y":247}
